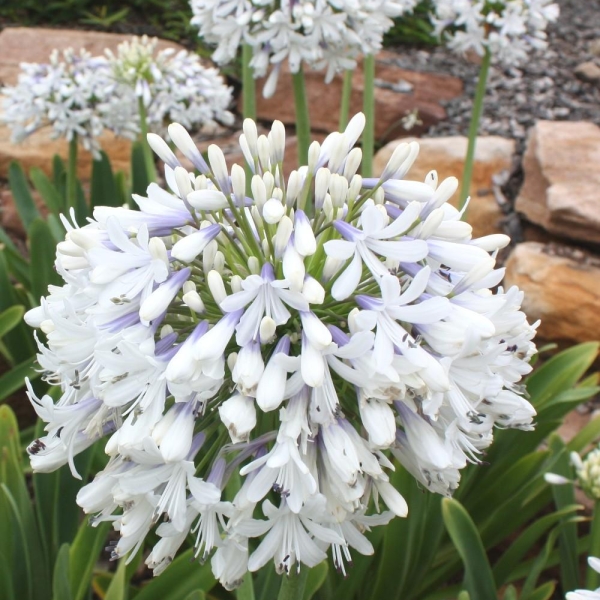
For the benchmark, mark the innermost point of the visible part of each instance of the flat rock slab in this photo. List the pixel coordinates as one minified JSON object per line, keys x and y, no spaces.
{"x":35,"y":44}
{"x":562,"y":179}
{"x":562,"y":288}
{"x":446,"y":155}
{"x":398,"y":92}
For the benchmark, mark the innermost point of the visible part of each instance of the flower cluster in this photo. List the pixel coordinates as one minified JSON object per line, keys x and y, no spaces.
{"x":508,"y":29}
{"x":71,"y":93}
{"x":587,"y":474}
{"x":320,"y":34}
{"x":173,"y":86}
{"x":299,"y":333}
{"x":82,"y":95}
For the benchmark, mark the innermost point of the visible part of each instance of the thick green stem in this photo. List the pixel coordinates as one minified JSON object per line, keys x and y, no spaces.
{"x":346,"y":94}
{"x":72,"y":173}
{"x":148,"y":155}
{"x":302,"y":117}
{"x":248,"y":84}
{"x":368,"y":145}
{"x":292,"y":585}
{"x":592,"y":579}
{"x":474,"y":128}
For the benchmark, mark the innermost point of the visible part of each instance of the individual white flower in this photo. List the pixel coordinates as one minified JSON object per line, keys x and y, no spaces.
{"x":207,"y":335}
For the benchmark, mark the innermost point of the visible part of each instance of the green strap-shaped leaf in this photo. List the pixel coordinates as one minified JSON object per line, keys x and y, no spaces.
{"x":14,"y":379}
{"x":564,"y":495}
{"x":181,"y":578}
{"x":84,"y":552}
{"x":246,"y":589}
{"x":24,"y":202}
{"x":196,"y":595}
{"x":10,"y":318}
{"x":544,"y":592}
{"x":521,"y":546}
{"x":139,"y":174}
{"x":316,"y":578}
{"x":42,"y":247}
{"x":48,"y":191}
{"x":561,"y":372}
{"x":479,"y":580}
{"x":61,"y":590}
{"x":104,"y":191}
{"x":117,"y":590}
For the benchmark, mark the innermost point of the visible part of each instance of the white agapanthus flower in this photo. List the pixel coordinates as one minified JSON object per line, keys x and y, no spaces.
{"x":174,"y":86}
{"x":509,"y":29}
{"x":71,"y":94}
{"x":320,"y":34}
{"x":299,"y":334}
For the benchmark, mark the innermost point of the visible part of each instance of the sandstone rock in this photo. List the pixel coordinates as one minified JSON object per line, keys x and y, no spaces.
{"x":446,"y":155}
{"x":588,"y":71}
{"x":398,"y":92}
{"x":560,"y":190}
{"x":39,"y":149}
{"x":34,"y":44}
{"x":562,"y":288}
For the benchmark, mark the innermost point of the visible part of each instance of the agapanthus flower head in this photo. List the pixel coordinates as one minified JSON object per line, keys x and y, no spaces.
{"x":300,"y":331}
{"x":174,"y":86}
{"x":70,"y":94}
{"x":327,"y":34}
{"x":509,"y":29}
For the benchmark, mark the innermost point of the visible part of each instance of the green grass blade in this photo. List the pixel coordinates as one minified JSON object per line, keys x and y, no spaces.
{"x":316,"y":578}
{"x":43,"y":252}
{"x":61,"y":590}
{"x":47,"y":190}
{"x":24,"y":202}
{"x":479,"y":580}
{"x":14,"y":379}
{"x":104,"y":191}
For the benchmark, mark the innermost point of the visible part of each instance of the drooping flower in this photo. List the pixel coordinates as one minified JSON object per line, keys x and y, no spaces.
{"x":299,"y":335}
{"x":316,"y":34}
{"x":594,"y":563}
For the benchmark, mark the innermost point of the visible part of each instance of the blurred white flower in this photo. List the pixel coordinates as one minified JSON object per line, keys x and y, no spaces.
{"x":329,"y":34}
{"x":509,"y":29}
{"x":173,"y":86}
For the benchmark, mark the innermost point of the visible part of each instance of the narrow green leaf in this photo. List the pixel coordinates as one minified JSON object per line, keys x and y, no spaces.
{"x":42,"y":247}
{"x":196,"y":595}
{"x":16,"y":265}
{"x":510,"y":593}
{"x":246,"y":590}
{"x":14,"y":379}
{"x":84,"y":552}
{"x":61,"y":590}
{"x":10,"y":318}
{"x":316,"y":578}
{"x":139,"y":174}
{"x":50,"y":195}
{"x":519,"y":548}
{"x":183,"y":576}
{"x":7,"y":590}
{"x":464,"y":595}
{"x":564,"y":495}
{"x":123,"y":192}
{"x":479,"y":580}
{"x":586,"y":436}
{"x":24,"y":202}
{"x":544,"y":592}
{"x":117,"y":590}
{"x":561,"y":372}
{"x":104,"y":191}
